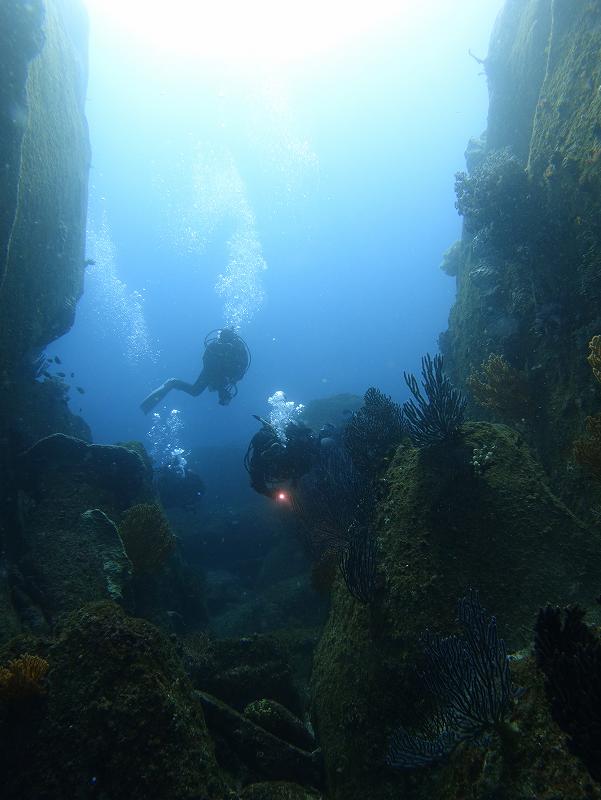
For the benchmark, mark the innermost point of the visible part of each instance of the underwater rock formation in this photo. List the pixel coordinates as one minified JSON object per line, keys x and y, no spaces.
{"x":239,"y":671}
{"x":276,"y":719}
{"x":528,"y":270}
{"x":277,"y":790}
{"x":263,"y":753}
{"x":44,"y":161}
{"x":119,"y":719}
{"x":70,"y":551}
{"x":447,"y":524}
{"x":45,"y":158}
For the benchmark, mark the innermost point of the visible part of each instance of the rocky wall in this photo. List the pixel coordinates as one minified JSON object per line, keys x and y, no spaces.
{"x":528,"y":269}
{"x":444,"y":526}
{"x":45,"y":155}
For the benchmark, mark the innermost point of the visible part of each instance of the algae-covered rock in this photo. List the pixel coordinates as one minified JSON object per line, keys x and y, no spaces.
{"x":239,"y":671}
{"x":10,"y":624}
{"x":21,"y":38}
{"x":447,"y":524}
{"x":565,"y":135}
{"x":119,"y":720}
{"x":531,"y":291}
{"x":46,"y":143}
{"x":277,"y":790}
{"x":60,"y":464}
{"x":70,"y":494}
{"x":515,"y":68}
{"x":263,"y":753}
{"x":76,"y":563}
{"x":276,"y":719}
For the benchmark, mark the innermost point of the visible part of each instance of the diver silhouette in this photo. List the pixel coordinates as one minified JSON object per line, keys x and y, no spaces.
{"x":271,"y":462}
{"x":225,"y":361}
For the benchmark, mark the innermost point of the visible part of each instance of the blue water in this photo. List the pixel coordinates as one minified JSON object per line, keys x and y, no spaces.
{"x":339,"y":170}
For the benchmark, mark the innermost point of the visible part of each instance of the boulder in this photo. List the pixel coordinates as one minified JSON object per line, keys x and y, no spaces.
{"x":263,"y":753}
{"x":117,"y":719}
{"x":447,"y":523}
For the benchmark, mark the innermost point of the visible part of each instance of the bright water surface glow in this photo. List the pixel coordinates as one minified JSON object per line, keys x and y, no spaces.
{"x":283,"y":167}
{"x":266,"y":31}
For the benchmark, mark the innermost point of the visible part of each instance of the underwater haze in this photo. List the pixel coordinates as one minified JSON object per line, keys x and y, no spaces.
{"x":300,"y":400}
{"x":305,"y":200}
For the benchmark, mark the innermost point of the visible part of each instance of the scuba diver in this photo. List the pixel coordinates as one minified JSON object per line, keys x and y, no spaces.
{"x":270,"y":462}
{"x":225,"y":361}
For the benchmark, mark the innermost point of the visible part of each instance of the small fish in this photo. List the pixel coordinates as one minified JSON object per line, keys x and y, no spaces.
{"x":61,"y":374}
{"x":80,"y":390}
{"x":57,"y":360}
{"x":72,"y":374}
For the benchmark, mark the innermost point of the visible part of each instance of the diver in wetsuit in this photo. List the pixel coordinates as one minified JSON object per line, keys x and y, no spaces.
{"x":270,"y":462}
{"x":225,"y":362}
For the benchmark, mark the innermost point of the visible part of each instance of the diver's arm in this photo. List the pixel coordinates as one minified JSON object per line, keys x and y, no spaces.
{"x":155,"y":397}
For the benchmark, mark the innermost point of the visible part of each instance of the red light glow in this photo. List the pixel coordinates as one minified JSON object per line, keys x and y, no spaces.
{"x":282,"y":496}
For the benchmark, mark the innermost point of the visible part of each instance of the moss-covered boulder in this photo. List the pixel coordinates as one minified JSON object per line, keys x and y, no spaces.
{"x":239,"y":741}
{"x":276,"y":719}
{"x":239,"y":671}
{"x":278,"y":790}
{"x":452,"y":519}
{"x":64,"y":468}
{"x":74,"y":564}
{"x":69,"y":549}
{"x":118,"y":720}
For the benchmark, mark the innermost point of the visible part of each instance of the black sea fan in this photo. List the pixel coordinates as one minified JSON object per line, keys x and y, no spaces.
{"x":357,"y":563}
{"x":437,"y":416}
{"x":470,"y":684}
{"x":569,"y":654}
{"x":374,"y":430}
{"x":334,"y":504}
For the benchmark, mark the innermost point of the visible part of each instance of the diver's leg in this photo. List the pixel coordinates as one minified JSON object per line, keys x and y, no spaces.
{"x":155,"y":397}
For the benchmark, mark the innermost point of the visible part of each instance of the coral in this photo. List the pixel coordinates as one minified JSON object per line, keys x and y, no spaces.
{"x":438,"y":417}
{"x":373,"y":431}
{"x":587,"y":448}
{"x":469,"y":680}
{"x":594,"y":357}
{"x":501,"y":388}
{"x":569,"y":655}
{"x":23,"y":679}
{"x":146,"y":536}
{"x":496,"y":196}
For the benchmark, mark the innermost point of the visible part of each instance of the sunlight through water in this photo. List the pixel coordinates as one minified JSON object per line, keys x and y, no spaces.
{"x":265,"y":31}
